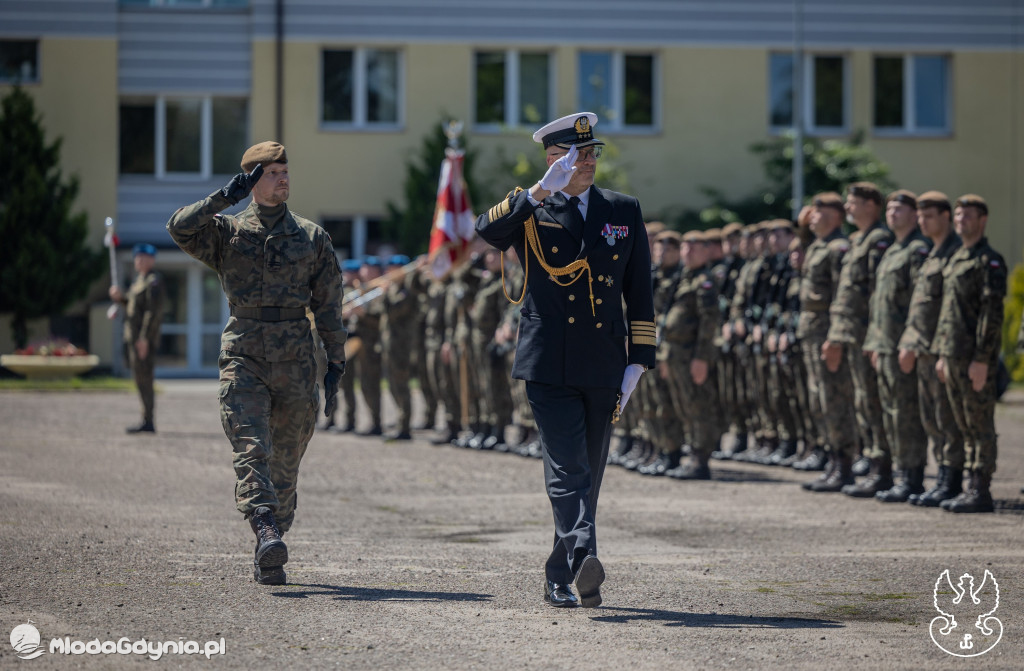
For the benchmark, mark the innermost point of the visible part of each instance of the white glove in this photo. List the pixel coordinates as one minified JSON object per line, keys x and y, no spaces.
{"x":558,"y":175}
{"x":629,"y":380}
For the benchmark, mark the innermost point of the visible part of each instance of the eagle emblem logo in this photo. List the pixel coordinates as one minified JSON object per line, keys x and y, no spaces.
{"x":583,"y":125}
{"x":966,"y":625}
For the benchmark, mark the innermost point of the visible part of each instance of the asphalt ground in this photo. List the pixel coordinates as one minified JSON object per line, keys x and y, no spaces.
{"x":406,"y":555}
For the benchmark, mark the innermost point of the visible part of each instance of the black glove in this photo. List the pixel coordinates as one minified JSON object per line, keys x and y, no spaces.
{"x":332,"y":380}
{"x":241,"y":184}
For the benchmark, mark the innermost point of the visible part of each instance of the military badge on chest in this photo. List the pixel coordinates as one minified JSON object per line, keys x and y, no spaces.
{"x":612,"y":233}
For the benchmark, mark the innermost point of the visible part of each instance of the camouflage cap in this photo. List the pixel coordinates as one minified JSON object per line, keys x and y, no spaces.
{"x":264,"y":154}
{"x":972,"y":200}
{"x":936,"y":199}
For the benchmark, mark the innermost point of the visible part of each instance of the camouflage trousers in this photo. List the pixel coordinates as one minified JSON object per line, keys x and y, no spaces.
{"x":806,"y":410}
{"x":348,"y":394}
{"x":766,"y":409}
{"x":463,"y":366}
{"x":493,"y":382}
{"x":698,"y":405}
{"x":784,"y":398}
{"x":368,"y":369}
{"x":834,"y":392}
{"x":975,"y":415}
{"x":901,"y":413}
{"x":142,"y":370}
{"x":746,"y":390}
{"x":945,"y":441}
{"x":420,"y":372}
{"x":268,"y":411}
{"x":446,"y":388}
{"x":396,"y":362}
{"x":729,"y":394}
{"x":667,"y":431}
{"x":867,"y":407}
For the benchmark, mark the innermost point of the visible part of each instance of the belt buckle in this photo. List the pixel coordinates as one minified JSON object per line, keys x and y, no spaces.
{"x":272,"y":314}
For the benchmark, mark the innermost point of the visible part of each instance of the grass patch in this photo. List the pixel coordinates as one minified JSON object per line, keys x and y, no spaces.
{"x":765,"y":590}
{"x":70,"y":384}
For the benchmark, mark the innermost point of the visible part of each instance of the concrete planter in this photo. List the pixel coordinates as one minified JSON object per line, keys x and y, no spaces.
{"x":43,"y":367}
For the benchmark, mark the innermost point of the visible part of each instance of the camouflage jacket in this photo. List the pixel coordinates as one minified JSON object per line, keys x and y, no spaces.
{"x":971,"y":319}
{"x":693,"y":320}
{"x":850,"y":309}
{"x":926,"y":300}
{"x":144,"y":309}
{"x":488,"y":309}
{"x":818,"y":283}
{"x":894,"y":285}
{"x":290,"y":266}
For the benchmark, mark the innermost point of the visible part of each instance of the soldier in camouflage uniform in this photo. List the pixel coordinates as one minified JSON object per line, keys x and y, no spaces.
{"x":726,"y":274}
{"x":368,"y":364}
{"x":350,"y":282}
{"x":832,"y":387}
{"x":849,"y":314}
{"x":456,"y":351}
{"x":144,"y":310}
{"x":686,"y":358}
{"x":400,"y":305}
{"x":486,"y":315}
{"x":901,"y":410}
{"x":945,"y":441}
{"x":440,"y":372}
{"x":967,"y":341}
{"x":419,"y":284}
{"x":273,"y":265}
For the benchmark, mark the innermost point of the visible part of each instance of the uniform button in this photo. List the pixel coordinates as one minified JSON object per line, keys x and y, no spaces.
{"x":554,"y":250}
{"x":615,"y":257}
{"x":572,"y":320}
{"x":572,"y":276}
{"x":598,"y":324}
{"x":598,"y":301}
{"x":600,"y":278}
{"x":572,"y":297}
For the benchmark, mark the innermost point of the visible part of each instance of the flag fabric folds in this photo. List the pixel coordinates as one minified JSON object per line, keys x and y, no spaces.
{"x":453,"y":215}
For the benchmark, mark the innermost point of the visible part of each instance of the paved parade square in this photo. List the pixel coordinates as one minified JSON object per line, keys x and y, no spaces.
{"x":108,"y":536}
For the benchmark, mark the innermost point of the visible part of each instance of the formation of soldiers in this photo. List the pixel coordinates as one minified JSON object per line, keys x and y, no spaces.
{"x":779,"y":343}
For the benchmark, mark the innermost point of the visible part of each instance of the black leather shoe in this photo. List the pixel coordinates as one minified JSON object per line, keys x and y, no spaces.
{"x":272,"y":575}
{"x":588,"y":582}
{"x":374,"y":431}
{"x":401,"y":435}
{"x":559,"y":595}
{"x":141,"y":427}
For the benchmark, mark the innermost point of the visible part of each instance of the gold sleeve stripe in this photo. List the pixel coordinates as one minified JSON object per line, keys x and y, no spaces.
{"x":639,"y":324}
{"x":548,"y":224}
{"x":644,"y":340}
{"x":498,"y":211}
{"x":642,"y":332}
{"x":638,"y":327}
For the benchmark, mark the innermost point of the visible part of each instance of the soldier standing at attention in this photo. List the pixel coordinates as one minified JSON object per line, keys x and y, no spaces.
{"x":368,"y":366}
{"x":833,"y":387}
{"x":967,"y":341}
{"x":144,"y":310}
{"x":400,"y":305}
{"x":897,"y":390}
{"x":849,"y":317}
{"x":273,"y":265}
{"x":584,"y":250}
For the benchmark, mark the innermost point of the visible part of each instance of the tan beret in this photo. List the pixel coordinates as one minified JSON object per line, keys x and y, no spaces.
{"x":713,"y":235}
{"x":973,"y":200}
{"x":654,"y":227}
{"x":780,"y":225}
{"x":735,"y":228}
{"x":693,"y":236}
{"x":830,"y":199}
{"x":936,"y":199}
{"x":865,"y":190}
{"x":264,"y":154}
{"x":903,"y":196}
{"x":669,"y":237}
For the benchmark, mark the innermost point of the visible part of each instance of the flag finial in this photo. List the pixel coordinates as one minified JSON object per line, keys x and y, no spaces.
{"x":453,"y":131}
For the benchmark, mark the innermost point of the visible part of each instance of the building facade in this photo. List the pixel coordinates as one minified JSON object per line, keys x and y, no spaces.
{"x":156,"y":99}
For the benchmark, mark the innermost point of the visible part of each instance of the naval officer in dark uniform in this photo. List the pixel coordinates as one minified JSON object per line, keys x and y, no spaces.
{"x":583,"y":250}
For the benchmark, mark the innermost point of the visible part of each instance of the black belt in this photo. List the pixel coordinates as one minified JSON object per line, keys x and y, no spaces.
{"x":269,"y":314}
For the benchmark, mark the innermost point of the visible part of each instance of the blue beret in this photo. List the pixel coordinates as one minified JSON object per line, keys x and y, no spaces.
{"x":372,"y":261}
{"x":351,"y":265}
{"x":398,"y":260}
{"x":143,"y":248}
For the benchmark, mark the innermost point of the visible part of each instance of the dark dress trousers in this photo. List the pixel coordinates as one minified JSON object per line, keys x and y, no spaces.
{"x":572,"y":353}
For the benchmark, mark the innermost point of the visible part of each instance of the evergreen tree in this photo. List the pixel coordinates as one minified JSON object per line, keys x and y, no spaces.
{"x":829,"y":165}
{"x":410,"y":226}
{"x":45,"y":264}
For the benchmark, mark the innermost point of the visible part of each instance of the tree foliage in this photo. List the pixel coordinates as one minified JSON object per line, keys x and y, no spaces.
{"x":1013,"y":309}
{"x":829,"y":165}
{"x":45,"y":264}
{"x":409,"y":224}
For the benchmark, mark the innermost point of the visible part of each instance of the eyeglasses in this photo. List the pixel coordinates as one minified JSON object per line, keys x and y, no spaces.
{"x":585,"y":153}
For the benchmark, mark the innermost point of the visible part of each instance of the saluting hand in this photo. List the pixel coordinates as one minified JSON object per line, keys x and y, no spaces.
{"x":560,"y":172}
{"x":241,"y":184}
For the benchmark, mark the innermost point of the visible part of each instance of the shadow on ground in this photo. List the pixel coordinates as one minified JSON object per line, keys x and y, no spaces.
{"x":377,"y":594}
{"x":672,"y":618}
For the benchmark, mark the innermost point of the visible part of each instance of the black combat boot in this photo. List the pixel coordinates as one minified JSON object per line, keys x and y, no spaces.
{"x":447,"y":436}
{"x":693,"y":467}
{"x":736,"y":446}
{"x":273,"y":575}
{"x":977,"y":498}
{"x":862,"y":466}
{"x":816,"y":460}
{"x":662,"y":463}
{"x":841,"y":475}
{"x":142,"y":427}
{"x":785,"y":450}
{"x":483,"y":432}
{"x":948,"y":485}
{"x":878,"y":480}
{"x":640,"y":455}
{"x":911,"y":481}
{"x":496,"y":441}
{"x":270,"y":549}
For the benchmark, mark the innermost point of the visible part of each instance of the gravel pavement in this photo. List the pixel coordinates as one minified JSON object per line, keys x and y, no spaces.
{"x":409,"y":556}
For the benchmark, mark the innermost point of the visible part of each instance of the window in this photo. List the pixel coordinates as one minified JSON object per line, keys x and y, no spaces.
{"x":361,"y":88}
{"x":825,"y":92}
{"x":19,"y":61}
{"x":619,"y":88}
{"x":513,"y":88}
{"x":194,"y":136}
{"x":353,"y":237}
{"x":911,"y":94}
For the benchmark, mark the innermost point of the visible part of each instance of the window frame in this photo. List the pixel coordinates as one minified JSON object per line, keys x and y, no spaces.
{"x":807,"y":109}
{"x":618,"y":91}
{"x":39,"y":63}
{"x":160,"y":172}
{"x":360,"y":94}
{"x":909,"y":127}
{"x":512,"y":93}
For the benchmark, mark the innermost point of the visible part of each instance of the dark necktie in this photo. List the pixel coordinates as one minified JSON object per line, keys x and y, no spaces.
{"x":574,"y":212}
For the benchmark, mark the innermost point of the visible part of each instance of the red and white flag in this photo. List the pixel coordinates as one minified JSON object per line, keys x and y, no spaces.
{"x":453,"y":216}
